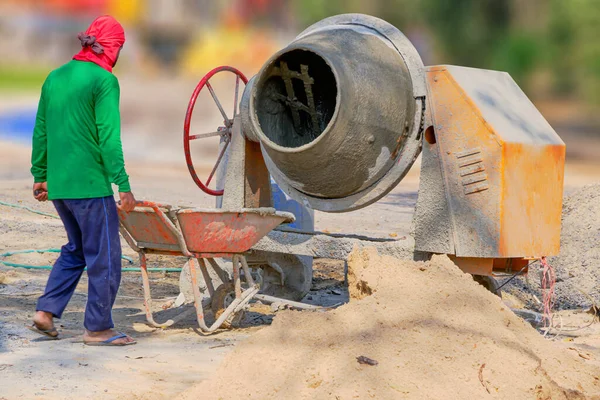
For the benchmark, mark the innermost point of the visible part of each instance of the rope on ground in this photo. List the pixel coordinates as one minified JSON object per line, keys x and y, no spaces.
{"x":548,"y":282}
{"x":29,"y":209}
{"x":49,"y":267}
{"x":594,"y":309}
{"x":560,"y":329}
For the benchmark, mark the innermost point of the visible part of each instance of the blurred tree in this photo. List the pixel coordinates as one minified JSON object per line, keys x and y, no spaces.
{"x":518,"y":54}
{"x":574,"y":48}
{"x":561,"y":36}
{"x":397,"y":12}
{"x":468,"y":32}
{"x":311,"y":11}
{"x":517,"y":36}
{"x":586,"y":47}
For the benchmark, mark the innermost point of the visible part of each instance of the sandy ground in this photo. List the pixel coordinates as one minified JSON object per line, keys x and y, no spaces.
{"x":431,"y":333}
{"x":165,"y":363}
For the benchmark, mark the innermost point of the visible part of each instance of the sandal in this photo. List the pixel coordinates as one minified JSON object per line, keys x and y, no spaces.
{"x":110,"y":342}
{"x":52,"y":333}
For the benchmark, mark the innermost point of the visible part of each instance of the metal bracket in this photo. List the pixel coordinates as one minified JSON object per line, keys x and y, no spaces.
{"x":423,"y":100}
{"x":292,"y":101}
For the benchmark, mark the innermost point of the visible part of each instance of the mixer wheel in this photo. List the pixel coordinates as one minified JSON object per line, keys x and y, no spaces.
{"x":490,"y":283}
{"x":297,"y":275}
{"x":224,"y":132}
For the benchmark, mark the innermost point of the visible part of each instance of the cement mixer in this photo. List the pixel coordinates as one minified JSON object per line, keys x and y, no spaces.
{"x":338,"y":117}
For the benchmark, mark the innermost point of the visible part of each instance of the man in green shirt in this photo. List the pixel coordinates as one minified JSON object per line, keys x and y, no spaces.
{"x":77,"y":154}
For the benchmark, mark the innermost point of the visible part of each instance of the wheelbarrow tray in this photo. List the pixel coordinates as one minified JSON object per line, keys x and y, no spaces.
{"x":222,"y":231}
{"x":149,"y":225}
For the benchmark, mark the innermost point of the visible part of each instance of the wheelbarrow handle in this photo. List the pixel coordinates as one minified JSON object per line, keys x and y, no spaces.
{"x":150,"y":204}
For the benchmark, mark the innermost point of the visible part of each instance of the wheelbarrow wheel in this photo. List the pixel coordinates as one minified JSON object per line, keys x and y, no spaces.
{"x":222,"y":298}
{"x":490,"y":283}
{"x":297,"y":275}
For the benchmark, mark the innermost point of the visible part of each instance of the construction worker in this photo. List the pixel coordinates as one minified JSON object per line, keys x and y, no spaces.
{"x":77,"y":155}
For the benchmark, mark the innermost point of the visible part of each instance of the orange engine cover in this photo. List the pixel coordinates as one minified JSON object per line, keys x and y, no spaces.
{"x":492,"y":170}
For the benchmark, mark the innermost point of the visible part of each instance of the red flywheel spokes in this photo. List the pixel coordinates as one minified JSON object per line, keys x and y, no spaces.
{"x":223,"y":131}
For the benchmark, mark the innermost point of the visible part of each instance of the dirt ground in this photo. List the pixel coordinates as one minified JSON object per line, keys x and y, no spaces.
{"x":432,"y":331}
{"x":165,"y":363}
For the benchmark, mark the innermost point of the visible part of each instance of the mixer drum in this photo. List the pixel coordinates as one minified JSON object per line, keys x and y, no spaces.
{"x":339,"y":112}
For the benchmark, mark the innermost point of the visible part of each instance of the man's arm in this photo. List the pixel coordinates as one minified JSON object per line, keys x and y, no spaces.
{"x":108,"y":122}
{"x":39,"y":153}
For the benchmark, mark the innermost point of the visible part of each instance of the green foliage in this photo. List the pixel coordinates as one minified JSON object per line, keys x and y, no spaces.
{"x":468,"y":32}
{"x":564,"y":38}
{"x":574,"y":48}
{"x":561,"y":36}
{"x":311,"y":11}
{"x":397,"y":12}
{"x":14,"y":78}
{"x":585,"y":47}
{"x":519,"y":54}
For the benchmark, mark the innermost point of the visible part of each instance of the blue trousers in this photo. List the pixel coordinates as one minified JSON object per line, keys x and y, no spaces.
{"x":92,"y":227}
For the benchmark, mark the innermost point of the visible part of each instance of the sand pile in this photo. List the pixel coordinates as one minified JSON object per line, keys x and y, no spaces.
{"x":433,"y":331}
{"x":578,"y":265}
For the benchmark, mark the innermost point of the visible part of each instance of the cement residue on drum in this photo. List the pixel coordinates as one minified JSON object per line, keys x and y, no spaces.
{"x":333,"y":123}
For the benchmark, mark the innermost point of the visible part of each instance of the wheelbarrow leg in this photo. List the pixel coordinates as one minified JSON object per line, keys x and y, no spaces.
{"x":148,"y":296}
{"x":207,"y":278}
{"x":236,"y":276}
{"x":197,"y":296}
{"x":240,"y":301}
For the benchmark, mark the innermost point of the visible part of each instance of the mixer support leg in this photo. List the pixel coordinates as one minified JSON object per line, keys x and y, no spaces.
{"x":148,"y":296}
{"x":197,"y":296}
{"x":224,"y":276}
{"x":236,"y":276}
{"x":207,"y":278}
{"x":247,"y":273}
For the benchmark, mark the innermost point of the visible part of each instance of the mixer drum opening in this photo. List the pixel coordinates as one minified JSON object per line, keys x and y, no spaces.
{"x":296,"y":98}
{"x":337,"y":112}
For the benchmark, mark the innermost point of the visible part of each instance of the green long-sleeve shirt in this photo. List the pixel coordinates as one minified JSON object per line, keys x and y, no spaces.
{"x":77,"y":137}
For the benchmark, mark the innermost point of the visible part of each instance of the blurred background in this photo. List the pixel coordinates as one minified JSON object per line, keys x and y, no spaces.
{"x":550,"y":47}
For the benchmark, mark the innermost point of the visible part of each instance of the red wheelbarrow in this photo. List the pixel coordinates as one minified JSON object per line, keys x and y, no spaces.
{"x":200,"y":235}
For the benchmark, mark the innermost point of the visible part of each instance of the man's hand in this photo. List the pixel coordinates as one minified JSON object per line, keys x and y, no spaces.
{"x":127,"y":202}
{"x":40,"y":191}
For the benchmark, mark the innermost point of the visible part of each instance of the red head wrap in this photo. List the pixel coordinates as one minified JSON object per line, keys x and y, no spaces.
{"x":101,"y":42}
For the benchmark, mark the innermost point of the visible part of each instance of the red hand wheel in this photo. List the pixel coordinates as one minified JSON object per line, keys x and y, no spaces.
{"x":223,"y":131}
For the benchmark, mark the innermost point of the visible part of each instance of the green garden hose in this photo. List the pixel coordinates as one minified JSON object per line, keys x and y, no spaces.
{"x":29,"y":209}
{"x":49,"y":267}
